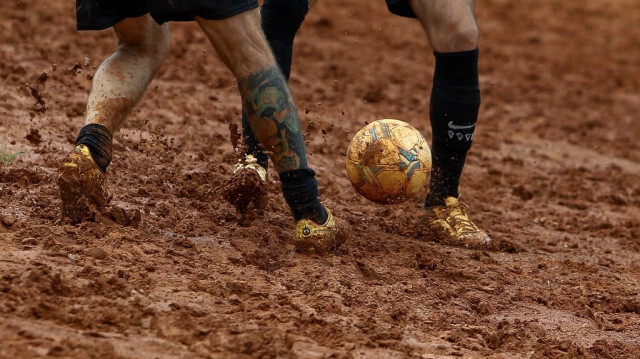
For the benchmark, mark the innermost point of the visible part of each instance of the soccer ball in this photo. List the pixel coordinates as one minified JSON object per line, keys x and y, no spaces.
{"x":388,"y":161}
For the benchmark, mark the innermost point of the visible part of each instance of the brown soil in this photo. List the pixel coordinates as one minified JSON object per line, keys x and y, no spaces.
{"x":171,"y":273}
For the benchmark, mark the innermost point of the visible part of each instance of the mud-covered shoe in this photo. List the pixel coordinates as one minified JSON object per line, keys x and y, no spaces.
{"x":247,"y":187}
{"x":313,"y":238}
{"x":83,"y":186}
{"x":451,"y":225}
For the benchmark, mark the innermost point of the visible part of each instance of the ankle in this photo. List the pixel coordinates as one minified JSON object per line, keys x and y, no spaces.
{"x":300,"y":190}
{"x":438,"y":197}
{"x":314,"y":211}
{"x":98,"y":140}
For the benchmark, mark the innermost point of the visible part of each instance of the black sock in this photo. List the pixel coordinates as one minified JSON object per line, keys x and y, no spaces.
{"x":300,"y":190}
{"x":445,"y":175}
{"x":98,"y":139}
{"x":281,"y":20}
{"x":455,"y":100}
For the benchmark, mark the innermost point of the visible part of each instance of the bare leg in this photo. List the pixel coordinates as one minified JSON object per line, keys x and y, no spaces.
{"x":123,"y":77}
{"x":281,"y":20}
{"x":455,"y":100}
{"x":450,"y":24}
{"x":273,"y":117}
{"x":118,"y":85}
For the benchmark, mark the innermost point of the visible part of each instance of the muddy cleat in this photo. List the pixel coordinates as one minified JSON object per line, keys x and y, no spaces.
{"x":251,"y":163}
{"x":321,"y":238}
{"x":247,"y":187}
{"x":451,"y":225}
{"x":83,"y":186}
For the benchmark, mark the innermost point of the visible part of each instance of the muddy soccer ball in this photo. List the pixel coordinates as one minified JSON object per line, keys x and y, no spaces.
{"x":388,"y":161}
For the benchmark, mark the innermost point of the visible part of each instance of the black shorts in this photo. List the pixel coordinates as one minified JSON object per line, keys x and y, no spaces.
{"x":400,"y":7}
{"x":103,"y":14}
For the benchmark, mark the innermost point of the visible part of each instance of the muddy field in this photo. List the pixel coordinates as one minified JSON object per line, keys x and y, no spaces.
{"x":170,"y":271}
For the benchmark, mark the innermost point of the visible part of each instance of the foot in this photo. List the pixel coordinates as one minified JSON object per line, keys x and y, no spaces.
{"x":83,"y":186}
{"x":451,"y":225}
{"x":313,"y":238}
{"x":247,"y":187}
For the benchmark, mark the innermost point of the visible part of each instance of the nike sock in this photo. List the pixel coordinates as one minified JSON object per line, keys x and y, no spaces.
{"x":281,"y":20}
{"x":447,"y":165}
{"x":455,"y":101}
{"x":300,"y":190}
{"x":98,"y":139}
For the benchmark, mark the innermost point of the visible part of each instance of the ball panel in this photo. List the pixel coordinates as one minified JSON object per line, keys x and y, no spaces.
{"x":391,"y":181}
{"x":370,"y":192}
{"x":416,"y":184}
{"x":406,"y":137}
{"x":380,"y":153}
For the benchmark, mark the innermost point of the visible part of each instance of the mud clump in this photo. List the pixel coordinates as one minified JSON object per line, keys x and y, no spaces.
{"x":97,"y":253}
{"x":75,"y":69}
{"x":6,"y":221}
{"x":124,"y":216}
{"x":83,"y":187}
{"x":40,"y":106}
{"x":34,"y":137}
{"x":246,"y":191}
{"x":43,"y":77}
{"x":234,"y":135}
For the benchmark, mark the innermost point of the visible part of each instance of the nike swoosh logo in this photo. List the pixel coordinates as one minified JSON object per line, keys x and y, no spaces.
{"x":454,"y":127}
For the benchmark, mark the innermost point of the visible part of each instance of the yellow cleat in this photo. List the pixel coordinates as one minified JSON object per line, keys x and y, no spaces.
{"x":251,"y":163}
{"x":83,"y":186}
{"x":313,"y":238}
{"x":451,"y":225}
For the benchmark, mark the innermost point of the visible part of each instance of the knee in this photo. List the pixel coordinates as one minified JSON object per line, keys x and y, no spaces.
{"x":161,"y":43}
{"x":157,"y":42}
{"x":455,"y":37}
{"x":153,"y":43}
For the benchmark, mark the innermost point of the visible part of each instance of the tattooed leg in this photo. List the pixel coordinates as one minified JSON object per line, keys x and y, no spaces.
{"x":269,"y":107}
{"x":281,"y":20}
{"x":266,"y":98}
{"x":273,"y":117}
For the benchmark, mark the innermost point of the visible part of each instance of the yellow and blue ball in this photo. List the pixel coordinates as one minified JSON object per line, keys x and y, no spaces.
{"x":389,"y":161}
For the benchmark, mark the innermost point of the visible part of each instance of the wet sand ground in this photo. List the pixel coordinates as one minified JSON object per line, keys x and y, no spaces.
{"x":171,"y":271}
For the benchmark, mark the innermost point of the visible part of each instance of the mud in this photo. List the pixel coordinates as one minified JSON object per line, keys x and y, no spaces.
{"x":173,"y":273}
{"x":34,"y":137}
{"x":246,"y":191}
{"x":83,"y":188}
